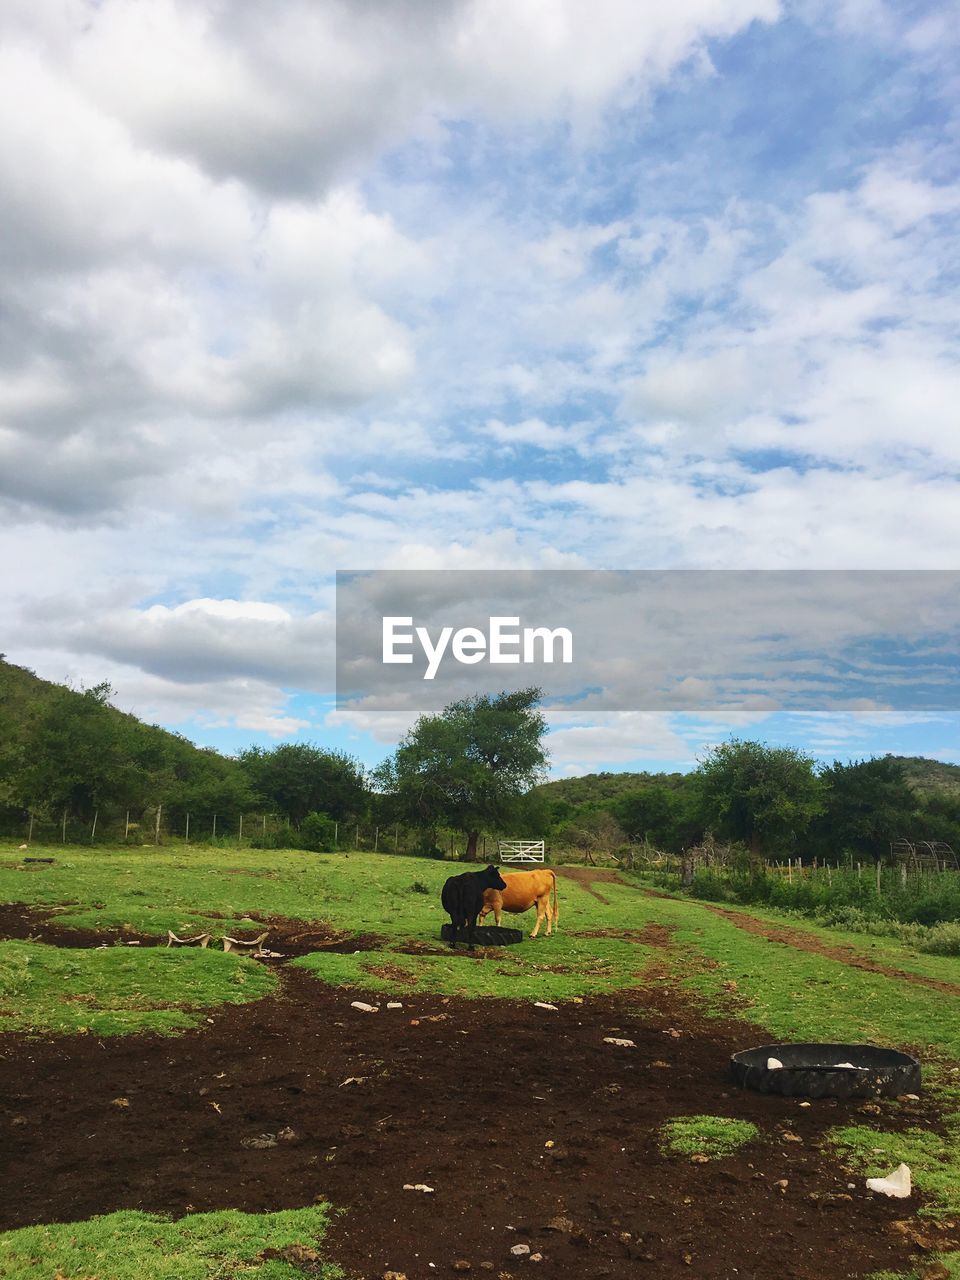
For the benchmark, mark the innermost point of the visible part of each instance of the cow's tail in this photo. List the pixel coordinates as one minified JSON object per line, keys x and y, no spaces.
{"x":556,"y":909}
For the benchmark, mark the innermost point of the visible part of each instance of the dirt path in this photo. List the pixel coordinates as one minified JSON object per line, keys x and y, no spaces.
{"x":586,"y":877}
{"x":803,"y":941}
{"x":530,"y":1128}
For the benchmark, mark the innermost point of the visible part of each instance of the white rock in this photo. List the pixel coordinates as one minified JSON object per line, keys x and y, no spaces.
{"x":417,"y":1186}
{"x":394,"y":1004}
{"x":520,"y":1250}
{"x":845,"y":1064}
{"x":364,"y":1008}
{"x":896,"y":1184}
{"x":542,"y":1004}
{"x":774,"y":1064}
{"x":626,"y":1044}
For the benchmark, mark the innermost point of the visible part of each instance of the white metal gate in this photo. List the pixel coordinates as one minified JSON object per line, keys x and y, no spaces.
{"x":520,"y":850}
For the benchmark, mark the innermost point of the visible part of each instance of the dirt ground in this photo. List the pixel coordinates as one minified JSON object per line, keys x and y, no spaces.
{"x":529,"y":1128}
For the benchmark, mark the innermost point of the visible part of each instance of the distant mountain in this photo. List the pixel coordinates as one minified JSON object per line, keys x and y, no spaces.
{"x":596,"y":788}
{"x":930,"y":775}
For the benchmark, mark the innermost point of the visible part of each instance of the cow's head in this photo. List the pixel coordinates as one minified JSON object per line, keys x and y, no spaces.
{"x":492,"y":879}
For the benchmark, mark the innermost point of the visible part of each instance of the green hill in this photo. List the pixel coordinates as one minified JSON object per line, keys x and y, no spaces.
{"x":930,"y":775}
{"x":597,"y":788}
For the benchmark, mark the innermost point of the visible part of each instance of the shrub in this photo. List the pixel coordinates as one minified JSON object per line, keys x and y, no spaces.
{"x":318,"y":833}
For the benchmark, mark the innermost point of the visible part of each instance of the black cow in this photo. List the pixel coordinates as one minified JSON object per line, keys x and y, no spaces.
{"x":462,"y":898}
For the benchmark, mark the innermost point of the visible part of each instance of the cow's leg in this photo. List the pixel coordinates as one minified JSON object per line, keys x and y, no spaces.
{"x":536,"y":927}
{"x":454,"y":926}
{"x":544,"y":905}
{"x":471,"y":931}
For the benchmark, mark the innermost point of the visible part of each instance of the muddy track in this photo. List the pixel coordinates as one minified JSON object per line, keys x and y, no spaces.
{"x":463,"y":1096}
{"x":586,"y":877}
{"x":800,"y":940}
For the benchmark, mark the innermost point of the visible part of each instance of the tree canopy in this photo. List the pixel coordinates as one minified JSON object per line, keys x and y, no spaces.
{"x":759,"y":794}
{"x":469,"y":766}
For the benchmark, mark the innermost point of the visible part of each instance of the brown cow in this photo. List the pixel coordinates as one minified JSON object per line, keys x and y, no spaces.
{"x":524,"y":889}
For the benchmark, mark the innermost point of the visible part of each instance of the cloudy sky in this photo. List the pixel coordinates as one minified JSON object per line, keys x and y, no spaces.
{"x":308,"y":286}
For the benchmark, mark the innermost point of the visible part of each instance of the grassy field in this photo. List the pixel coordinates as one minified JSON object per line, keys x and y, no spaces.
{"x":602,"y":946}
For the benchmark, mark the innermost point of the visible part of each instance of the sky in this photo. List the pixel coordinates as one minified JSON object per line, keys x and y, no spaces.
{"x":313,"y":286}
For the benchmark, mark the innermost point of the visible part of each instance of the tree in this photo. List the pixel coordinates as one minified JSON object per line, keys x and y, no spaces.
{"x":667,"y":817}
{"x":298,"y":778}
{"x":867,"y":804}
{"x":469,"y":766}
{"x":749,"y":791}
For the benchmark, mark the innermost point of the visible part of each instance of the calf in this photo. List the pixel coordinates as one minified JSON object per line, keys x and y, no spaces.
{"x":462,"y":898}
{"x":525,"y":889}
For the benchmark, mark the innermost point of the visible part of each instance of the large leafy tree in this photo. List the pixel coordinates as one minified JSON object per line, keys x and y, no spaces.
{"x":868,"y":804}
{"x":759,"y":794}
{"x":298,"y":778}
{"x":469,"y":766}
{"x":668,"y":817}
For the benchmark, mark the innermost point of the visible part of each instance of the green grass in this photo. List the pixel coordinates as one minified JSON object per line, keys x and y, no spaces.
{"x":119,"y":990}
{"x":713,"y":1136}
{"x":934,"y":1160}
{"x":142,"y":1246}
{"x":556,"y":970}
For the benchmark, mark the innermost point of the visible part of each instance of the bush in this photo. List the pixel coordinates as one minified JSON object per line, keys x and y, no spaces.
{"x":285,"y":837}
{"x":318,"y":833}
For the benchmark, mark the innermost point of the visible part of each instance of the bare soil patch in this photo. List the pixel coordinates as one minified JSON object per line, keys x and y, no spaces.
{"x":289,"y":937}
{"x":517,"y":1117}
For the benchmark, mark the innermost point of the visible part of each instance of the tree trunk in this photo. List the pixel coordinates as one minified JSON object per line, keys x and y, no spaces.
{"x":473,"y":839}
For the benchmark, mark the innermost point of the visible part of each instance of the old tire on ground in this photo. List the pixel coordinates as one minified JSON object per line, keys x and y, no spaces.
{"x":487,"y":935}
{"x":812,"y":1071}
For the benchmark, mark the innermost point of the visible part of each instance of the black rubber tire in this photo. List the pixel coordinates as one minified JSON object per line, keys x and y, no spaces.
{"x":809,"y":1071}
{"x":486,"y":936}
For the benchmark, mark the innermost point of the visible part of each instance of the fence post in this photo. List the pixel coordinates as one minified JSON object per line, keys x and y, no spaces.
{"x":156,"y":829}
{"x":396,"y":838}
{"x":93,"y":829}
{"x":903,"y":874}
{"x":376,"y":839}
{"x":214,"y":826}
{"x":859,"y":870}
{"x":789,"y":871}
{"x":878,"y":878}
{"x":63,"y":828}
{"x":356,"y":839}
{"x":186,"y":834}
{"x":126,"y":825}
{"x":30,"y":831}
{"x":336,"y":834}
{"x":240,"y":832}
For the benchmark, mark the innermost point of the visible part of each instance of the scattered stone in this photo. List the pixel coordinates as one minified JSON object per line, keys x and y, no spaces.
{"x":625,"y":1237}
{"x":353,"y":1080}
{"x":542,"y":1004}
{"x":661,"y":1064}
{"x":394,"y":1004}
{"x":699,"y":1158}
{"x":18,"y":1120}
{"x":286,"y":1134}
{"x":625,"y":1044}
{"x":870,"y":1109}
{"x":120,"y":1102}
{"x":536,"y":1257}
{"x":673,"y":1033}
{"x":262,"y":1142}
{"x":791,"y":1137}
{"x":549,"y":1143}
{"x":909,"y":1097}
{"x":774,"y":1064}
{"x":487,"y":1266}
{"x":805,"y":1104}
{"x":782,"y":1185}
{"x":417,"y":1186}
{"x":520,"y":1250}
{"x":558,"y":1224}
{"x":462,"y":1264}
{"x":896,"y":1184}
{"x":394,"y":1275}
{"x":364,"y":1008}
